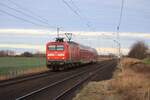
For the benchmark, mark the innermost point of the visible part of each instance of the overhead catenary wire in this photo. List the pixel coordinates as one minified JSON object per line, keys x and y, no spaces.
{"x":118,"y":29}
{"x":75,"y":5}
{"x":20,"y":18}
{"x":77,"y":12}
{"x":120,"y":16}
{"x":27,"y":10}
{"x":27,"y":15}
{"x":37,"y":19}
{"x":89,"y":24}
{"x":73,"y":10}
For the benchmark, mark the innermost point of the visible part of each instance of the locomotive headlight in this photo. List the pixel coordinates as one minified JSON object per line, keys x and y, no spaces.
{"x":50,"y":54}
{"x":61,"y":54}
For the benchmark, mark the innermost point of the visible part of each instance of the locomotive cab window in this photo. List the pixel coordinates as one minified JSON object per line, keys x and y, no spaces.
{"x":60,"y":47}
{"x":52,"y":47}
{"x":56,"y":47}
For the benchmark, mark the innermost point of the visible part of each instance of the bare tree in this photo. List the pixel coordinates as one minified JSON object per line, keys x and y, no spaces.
{"x":138,"y":50}
{"x":27,"y":54}
{"x":4,"y":53}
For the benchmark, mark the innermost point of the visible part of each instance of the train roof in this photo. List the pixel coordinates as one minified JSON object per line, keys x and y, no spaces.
{"x":80,"y":45}
{"x":72,"y":42}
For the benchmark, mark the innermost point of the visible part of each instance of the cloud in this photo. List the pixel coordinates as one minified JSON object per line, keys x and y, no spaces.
{"x":23,"y":46}
{"x":112,"y":34}
{"x":112,"y":50}
{"x":27,"y":31}
{"x":76,"y":33}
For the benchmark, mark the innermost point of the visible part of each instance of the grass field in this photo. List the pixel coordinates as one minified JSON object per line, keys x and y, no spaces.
{"x":10,"y":64}
{"x":147,"y":61}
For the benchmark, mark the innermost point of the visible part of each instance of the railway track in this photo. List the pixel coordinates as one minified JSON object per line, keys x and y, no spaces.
{"x":65,"y":94}
{"x":57,"y":87}
{"x":23,"y":78}
{"x":29,"y":78}
{"x":75,"y":79}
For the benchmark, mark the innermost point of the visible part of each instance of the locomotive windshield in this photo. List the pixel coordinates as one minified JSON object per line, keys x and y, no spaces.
{"x":52,"y":47}
{"x":56,"y":47}
{"x":60,"y":47}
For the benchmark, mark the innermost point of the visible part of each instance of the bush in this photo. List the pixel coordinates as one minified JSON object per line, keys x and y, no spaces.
{"x":26,"y":54}
{"x":138,"y":50}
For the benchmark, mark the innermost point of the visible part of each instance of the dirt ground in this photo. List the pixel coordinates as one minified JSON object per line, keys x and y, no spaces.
{"x":131,"y":81}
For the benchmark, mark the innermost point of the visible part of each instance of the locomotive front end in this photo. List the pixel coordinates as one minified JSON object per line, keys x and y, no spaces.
{"x":56,"y":54}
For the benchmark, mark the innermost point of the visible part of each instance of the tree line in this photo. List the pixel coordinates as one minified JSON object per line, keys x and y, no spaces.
{"x":10,"y":53}
{"x":139,"y":50}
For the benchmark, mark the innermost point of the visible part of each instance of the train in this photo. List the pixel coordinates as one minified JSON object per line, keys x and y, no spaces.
{"x":61,"y":55}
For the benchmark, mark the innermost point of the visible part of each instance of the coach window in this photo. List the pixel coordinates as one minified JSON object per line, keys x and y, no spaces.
{"x":51,"y":47}
{"x":60,"y":47}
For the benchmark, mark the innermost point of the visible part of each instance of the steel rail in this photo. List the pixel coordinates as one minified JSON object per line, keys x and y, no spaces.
{"x":53,"y":84}
{"x":79,"y":83}
{"x":23,"y":78}
{"x":27,"y":78}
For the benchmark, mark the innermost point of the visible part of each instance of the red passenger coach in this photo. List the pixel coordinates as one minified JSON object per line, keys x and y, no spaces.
{"x":66,"y":54}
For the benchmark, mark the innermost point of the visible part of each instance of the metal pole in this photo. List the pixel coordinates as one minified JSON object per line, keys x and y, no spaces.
{"x":58,"y":29}
{"x":119,"y":48}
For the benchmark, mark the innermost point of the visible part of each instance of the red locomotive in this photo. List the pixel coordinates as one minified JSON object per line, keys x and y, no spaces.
{"x":65,"y":54}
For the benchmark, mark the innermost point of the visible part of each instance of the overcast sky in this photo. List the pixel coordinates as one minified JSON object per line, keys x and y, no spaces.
{"x":103,"y":15}
{"x":100,"y":15}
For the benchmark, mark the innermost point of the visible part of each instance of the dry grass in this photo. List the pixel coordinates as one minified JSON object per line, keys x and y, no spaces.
{"x":132,"y":85}
{"x":132,"y":82}
{"x":134,"y":64}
